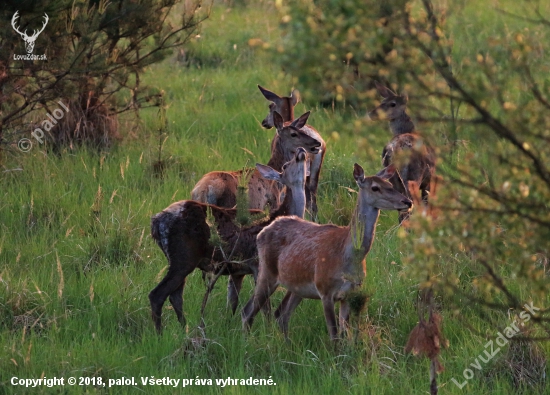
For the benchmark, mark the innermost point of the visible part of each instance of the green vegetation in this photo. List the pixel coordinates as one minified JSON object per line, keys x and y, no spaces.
{"x":77,"y":261}
{"x":93,"y":54}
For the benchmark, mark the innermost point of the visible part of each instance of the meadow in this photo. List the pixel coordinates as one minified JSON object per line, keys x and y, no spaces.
{"x":77,"y":261}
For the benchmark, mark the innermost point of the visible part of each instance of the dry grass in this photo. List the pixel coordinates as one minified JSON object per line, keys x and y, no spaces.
{"x":88,"y":122}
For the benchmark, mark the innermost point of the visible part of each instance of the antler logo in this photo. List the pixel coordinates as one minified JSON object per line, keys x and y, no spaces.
{"x":29,"y":40}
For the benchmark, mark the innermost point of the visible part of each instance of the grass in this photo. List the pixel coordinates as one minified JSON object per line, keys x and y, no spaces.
{"x":77,"y":262}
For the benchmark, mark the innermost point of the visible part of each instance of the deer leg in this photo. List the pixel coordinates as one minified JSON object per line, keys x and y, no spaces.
{"x":404,"y":175}
{"x":233,"y":289}
{"x":176,"y":300}
{"x":264,"y":289}
{"x":330,"y":316}
{"x":425,"y":195}
{"x":311,"y":198}
{"x":425,"y":191}
{"x":312,"y":184}
{"x":290,"y":301}
{"x":308,"y":198}
{"x":344,"y":317}
{"x":312,"y":205}
{"x":283,"y":305}
{"x":173,"y":282}
{"x":403,"y":187}
{"x":266,"y":308}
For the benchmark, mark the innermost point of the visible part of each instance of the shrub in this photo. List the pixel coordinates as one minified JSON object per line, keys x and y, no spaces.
{"x":96,"y":51}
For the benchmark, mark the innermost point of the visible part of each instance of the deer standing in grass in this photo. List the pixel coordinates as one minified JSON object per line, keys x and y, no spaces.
{"x":321,"y":261}
{"x":220,"y":187}
{"x":285,"y":106}
{"x":414,"y":159}
{"x":182,"y":232}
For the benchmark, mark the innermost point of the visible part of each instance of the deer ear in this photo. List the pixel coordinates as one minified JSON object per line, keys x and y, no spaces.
{"x":270,"y":95}
{"x":358,"y":173}
{"x":385,"y":92}
{"x":294,"y":97}
{"x":301,"y":122}
{"x":268,"y":173}
{"x":386,"y":173}
{"x":278,"y":121}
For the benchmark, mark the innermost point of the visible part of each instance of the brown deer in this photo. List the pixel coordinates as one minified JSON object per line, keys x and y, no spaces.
{"x":285,"y":106}
{"x":182,"y":232}
{"x":321,"y":261}
{"x":415,"y":160}
{"x":220,"y":187}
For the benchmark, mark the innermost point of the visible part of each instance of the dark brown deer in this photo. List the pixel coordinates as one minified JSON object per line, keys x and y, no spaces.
{"x":220,"y":187}
{"x":413,"y":157}
{"x":321,"y":261}
{"x":285,"y":106}
{"x":182,"y":232}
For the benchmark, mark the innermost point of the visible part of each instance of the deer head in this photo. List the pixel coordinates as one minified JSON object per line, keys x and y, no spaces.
{"x":392,"y":104}
{"x":378,"y":192}
{"x":293,"y":174}
{"x":29,"y":40}
{"x":283,"y":105}
{"x":293,"y":137}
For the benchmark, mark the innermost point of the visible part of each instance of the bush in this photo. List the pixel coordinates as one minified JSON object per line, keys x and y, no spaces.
{"x":335,"y":48}
{"x":95,"y":52}
{"x":491,"y":87}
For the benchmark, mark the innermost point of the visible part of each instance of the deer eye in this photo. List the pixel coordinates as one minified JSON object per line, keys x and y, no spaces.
{"x":294,"y":134}
{"x":375,"y":188}
{"x":393,"y":104}
{"x":285,"y":166}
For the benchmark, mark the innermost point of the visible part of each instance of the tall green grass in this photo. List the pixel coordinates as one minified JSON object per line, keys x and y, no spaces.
{"x":77,"y":262}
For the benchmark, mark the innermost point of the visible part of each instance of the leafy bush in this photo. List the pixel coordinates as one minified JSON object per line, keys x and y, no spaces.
{"x":491,"y":87}
{"x":335,"y":48}
{"x":95,"y":51}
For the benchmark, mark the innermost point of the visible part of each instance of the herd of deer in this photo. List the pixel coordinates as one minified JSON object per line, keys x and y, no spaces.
{"x":310,"y":260}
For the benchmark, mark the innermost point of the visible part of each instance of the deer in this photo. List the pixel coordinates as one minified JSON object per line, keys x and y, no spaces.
{"x":220,"y":187}
{"x":324,"y":262}
{"x":182,"y":232}
{"x":414,"y":158}
{"x":29,"y":40}
{"x":285,"y":106}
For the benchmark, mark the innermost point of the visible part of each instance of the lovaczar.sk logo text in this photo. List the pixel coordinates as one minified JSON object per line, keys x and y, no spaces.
{"x":29,"y":40}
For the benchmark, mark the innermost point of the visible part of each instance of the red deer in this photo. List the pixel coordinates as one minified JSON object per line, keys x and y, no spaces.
{"x":285,"y":107}
{"x":220,"y":187}
{"x":321,"y":261}
{"x":415,"y":160}
{"x":182,"y":232}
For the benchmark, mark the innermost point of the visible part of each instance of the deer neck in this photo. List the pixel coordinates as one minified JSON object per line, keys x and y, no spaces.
{"x":362,"y":228}
{"x":277,"y":159}
{"x":402,"y":124}
{"x":279,"y":156}
{"x":294,"y":203}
